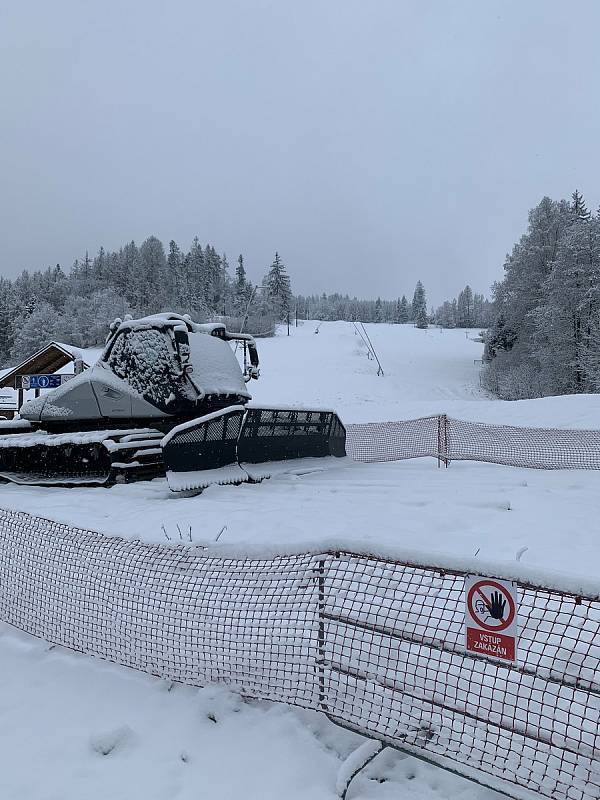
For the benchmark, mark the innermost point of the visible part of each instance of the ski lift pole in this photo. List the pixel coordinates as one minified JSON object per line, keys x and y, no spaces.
{"x":370,"y":353}
{"x":364,"y":341}
{"x":380,"y":368}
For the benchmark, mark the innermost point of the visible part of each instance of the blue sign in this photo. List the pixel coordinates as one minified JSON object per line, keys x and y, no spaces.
{"x":40,"y":381}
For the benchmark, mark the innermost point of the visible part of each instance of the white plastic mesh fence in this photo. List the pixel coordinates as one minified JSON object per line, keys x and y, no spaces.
{"x":393,"y":441}
{"x":168,"y":611}
{"x":376,"y":644}
{"x":457,"y":440}
{"x":396,"y":668}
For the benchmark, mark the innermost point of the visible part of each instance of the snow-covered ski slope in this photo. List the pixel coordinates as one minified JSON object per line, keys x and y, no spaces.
{"x":469,"y":508}
{"x":426,"y":372}
{"x":75,"y":728}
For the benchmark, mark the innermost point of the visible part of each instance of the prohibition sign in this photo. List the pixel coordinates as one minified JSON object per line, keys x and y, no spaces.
{"x":484,"y":590}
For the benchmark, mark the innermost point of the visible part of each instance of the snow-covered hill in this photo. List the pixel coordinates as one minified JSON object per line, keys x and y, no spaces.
{"x":426,"y":372}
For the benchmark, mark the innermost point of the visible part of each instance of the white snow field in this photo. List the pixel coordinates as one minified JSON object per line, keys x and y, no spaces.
{"x":468,"y":508}
{"x":73,"y":728}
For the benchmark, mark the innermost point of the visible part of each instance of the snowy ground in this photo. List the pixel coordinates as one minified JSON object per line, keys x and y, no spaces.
{"x":468,"y":508}
{"x":74,"y":728}
{"x":59,"y":711}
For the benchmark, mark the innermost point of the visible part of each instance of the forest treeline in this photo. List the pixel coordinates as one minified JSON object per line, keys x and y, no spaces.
{"x":467,"y":310}
{"x":76,"y":306}
{"x":343,"y":307}
{"x":543,"y":324}
{"x":544,"y":338}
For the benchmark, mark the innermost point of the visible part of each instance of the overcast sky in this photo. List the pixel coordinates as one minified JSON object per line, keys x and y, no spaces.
{"x":372,"y":143}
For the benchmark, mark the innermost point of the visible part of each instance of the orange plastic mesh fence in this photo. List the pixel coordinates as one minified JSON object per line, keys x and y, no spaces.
{"x":376,"y":644}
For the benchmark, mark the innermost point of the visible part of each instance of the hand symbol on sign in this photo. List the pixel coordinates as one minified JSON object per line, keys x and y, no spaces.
{"x":496,"y":606}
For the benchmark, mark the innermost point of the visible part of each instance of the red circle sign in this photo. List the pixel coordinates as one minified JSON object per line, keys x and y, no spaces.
{"x":478,"y":589}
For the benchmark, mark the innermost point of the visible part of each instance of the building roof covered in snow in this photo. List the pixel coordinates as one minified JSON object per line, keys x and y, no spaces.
{"x":51,"y":358}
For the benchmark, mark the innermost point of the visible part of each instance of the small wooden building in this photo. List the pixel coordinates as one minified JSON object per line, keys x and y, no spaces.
{"x":51,"y":359}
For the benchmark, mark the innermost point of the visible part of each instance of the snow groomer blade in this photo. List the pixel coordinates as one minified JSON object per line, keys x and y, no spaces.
{"x":204,"y":451}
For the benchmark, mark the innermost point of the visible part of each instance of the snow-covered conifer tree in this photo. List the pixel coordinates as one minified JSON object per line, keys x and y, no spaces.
{"x":152,"y":268}
{"x":34,"y":332}
{"x":404,"y":315}
{"x":419,"y":301}
{"x":421,"y":320}
{"x":465,"y":307}
{"x":579,"y":207}
{"x":174,"y":273}
{"x":194,"y":268}
{"x":378,"y":312}
{"x":279,"y":293}
{"x":242,"y":289}
{"x":566,"y":319}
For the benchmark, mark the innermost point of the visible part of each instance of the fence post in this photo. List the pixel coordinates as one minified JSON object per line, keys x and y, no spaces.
{"x":321,"y":635}
{"x":442,"y":440}
{"x":446,"y":442}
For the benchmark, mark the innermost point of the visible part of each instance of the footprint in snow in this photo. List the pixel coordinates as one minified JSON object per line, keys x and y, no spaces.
{"x":111,"y":741}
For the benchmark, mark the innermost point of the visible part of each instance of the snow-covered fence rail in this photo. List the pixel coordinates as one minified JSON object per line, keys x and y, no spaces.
{"x":457,"y":440}
{"x":376,"y":643}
